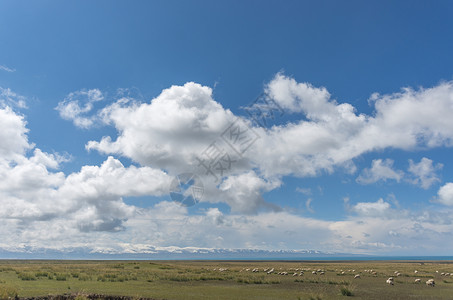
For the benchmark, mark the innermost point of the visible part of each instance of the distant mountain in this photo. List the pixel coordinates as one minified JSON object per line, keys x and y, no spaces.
{"x":162,"y":253}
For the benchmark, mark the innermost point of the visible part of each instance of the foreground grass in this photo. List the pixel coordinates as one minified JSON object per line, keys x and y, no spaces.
{"x":225,"y":279}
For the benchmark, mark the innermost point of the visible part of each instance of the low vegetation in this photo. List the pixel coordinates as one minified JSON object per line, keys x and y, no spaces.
{"x":226,"y":279}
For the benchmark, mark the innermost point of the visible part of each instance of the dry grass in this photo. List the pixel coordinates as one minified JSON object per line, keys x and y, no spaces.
{"x":225,"y":279}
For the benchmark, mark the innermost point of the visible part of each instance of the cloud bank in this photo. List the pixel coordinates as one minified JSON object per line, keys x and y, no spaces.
{"x":168,"y":135}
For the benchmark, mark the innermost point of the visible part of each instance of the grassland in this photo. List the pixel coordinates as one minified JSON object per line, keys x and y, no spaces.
{"x":225,"y":279}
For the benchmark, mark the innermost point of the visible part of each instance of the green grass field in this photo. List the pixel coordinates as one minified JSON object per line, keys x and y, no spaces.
{"x":226,"y":279}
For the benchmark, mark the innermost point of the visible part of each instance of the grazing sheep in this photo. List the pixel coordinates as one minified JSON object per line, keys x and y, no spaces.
{"x":390,"y":281}
{"x":321,"y":273}
{"x":430,"y":282}
{"x":314,"y":272}
{"x":398,"y":274}
{"x":270,"y":271}
{"x":415,"y":271}
{"x":418,"y":280}
{"x":295,"y":274}
{"x":357,"y":276}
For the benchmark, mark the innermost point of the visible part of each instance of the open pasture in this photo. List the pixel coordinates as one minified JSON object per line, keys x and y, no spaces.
{"x":227,"y":279}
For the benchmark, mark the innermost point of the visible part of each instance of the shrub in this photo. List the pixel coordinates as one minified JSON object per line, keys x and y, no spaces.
{"x":84,"y":277}
{"x":60,"y":277}
{"x":345,"y":291}
{"x":26,"y":276}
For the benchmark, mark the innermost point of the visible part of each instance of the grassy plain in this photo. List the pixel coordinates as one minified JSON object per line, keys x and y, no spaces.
{"x":226,"y":279}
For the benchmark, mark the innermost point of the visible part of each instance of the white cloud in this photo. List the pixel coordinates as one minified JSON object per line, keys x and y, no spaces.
{"x":308,"y":205}
{"x":46,"y":207}
{"x":378,"y":208}
{"x":173,"y":129}
{"x":10,"y":98}
{"x":13,"y":136}
{"x":243,"y":192}
{"x":380,"y":170}
{"x":90,"y":199}
{"x":170,"y":131}
{"x":5,"y":68}
{"x":305,"y":191}
{"x":424,"y":172}
{"x":333,"y":133}
{"x":168,"y":226}
{"x":77,"y":105}
{"x":445,"y":194}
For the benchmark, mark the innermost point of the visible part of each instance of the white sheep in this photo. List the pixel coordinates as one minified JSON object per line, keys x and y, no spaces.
{"x":390,"y":281}
{"x":418,"y":280}
{"x":430,"y":282}
{"x":357,"y":276}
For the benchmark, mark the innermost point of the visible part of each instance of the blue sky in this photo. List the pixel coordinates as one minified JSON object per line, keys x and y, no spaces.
{"x":104,"y":102}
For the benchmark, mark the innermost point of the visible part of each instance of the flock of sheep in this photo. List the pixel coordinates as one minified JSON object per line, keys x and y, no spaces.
{"x":300,"y":272}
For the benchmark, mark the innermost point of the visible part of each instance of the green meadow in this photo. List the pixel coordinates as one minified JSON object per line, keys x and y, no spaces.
{"x":226,"y":279}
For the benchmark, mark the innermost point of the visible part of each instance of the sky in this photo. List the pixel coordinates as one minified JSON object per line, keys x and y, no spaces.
{"x":319,"y":125}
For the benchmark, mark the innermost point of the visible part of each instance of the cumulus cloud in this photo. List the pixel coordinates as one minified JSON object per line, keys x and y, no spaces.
{"x":332,"y":133}
{"x":380,"y":170}
{"x":13,"y":135}
{"x":445,"y":194}
{"x":424,"y":172}
{"x":77,"y":105}
{"x":32,"y":189}
{"x":378,"y":208}
{"x":244,"y":192}
{"x":172,"y":130}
